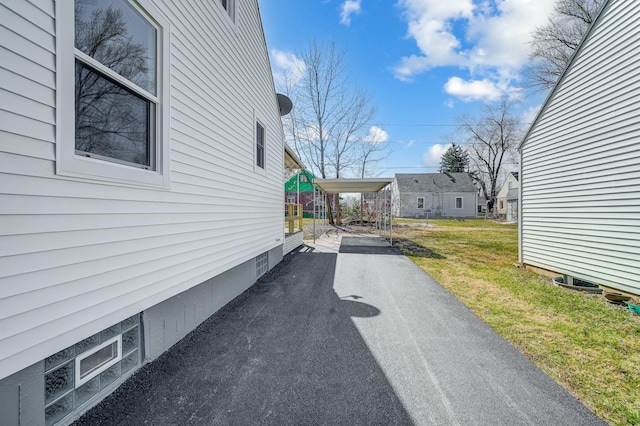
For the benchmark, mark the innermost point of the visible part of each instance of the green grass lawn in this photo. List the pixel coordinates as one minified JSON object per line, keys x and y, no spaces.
{"x":589,"y":346}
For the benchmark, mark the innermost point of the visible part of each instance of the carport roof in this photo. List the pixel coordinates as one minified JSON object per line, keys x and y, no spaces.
{"x":345,"y":185}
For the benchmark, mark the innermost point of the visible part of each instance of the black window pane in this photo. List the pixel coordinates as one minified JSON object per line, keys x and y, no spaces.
{"x":259,"y":146}
{"x":111,"y":121}
{"x":113,"y":33}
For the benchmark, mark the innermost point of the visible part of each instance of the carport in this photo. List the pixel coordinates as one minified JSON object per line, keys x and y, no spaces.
{"x":359,"y":186}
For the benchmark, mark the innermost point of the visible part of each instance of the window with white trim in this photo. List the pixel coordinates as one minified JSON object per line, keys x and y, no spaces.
{"x":116,"y":125}
{"x":458,"y":202}
{"x":97,"y":360}
{"x":421,"y":202}
{"x":260,"y":145}
{"x":303,"y":178}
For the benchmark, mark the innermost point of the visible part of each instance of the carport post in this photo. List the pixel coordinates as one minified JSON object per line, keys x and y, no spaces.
{"x":390,"y":215}
{"x":386,"y":211}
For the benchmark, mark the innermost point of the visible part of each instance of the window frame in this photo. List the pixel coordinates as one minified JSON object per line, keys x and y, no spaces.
{"x":229,"y":9}
{"x":79,"y":381}
{"x":256,"y":147}
{"x":455,"y":204}
{"x":68,"y":162}
{"x":418,"y":203}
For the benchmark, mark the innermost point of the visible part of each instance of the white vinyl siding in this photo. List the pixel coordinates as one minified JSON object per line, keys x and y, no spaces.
{"x":580,"y":182}
{"x":78,"y":255}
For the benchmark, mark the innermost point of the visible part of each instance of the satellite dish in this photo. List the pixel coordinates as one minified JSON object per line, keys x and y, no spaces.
{"x":285,"y":104}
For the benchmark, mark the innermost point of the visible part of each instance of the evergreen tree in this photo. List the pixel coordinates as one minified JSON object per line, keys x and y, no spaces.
{"x":455,"y":159}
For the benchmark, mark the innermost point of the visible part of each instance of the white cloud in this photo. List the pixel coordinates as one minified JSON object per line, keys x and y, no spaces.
{"x":489,"y":38}
{"x":472,"y":90}
{"x":349,"y":7}
{"x":502,"y":35}
{"x":481,"y":90}
{"x":287,"y":65}
{"x":530,"y":114}
{"x":432,"y":157}
{"x":410,"y":143}
{"x":376,"y":135}
{"x":450,"y":103}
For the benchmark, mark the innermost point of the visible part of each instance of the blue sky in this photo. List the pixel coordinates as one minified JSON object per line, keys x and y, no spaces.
{"x":424,"y":61}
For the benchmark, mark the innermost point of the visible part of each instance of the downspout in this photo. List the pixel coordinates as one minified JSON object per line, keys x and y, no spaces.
{"x":521,"y":179}
{"x":298,"y":191}
{"x":391,"y":214}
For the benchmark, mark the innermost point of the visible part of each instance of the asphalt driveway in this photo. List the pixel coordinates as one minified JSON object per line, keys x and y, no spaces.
{"x":351,"y":335}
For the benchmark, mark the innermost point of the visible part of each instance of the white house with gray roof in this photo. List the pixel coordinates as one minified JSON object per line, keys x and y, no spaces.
{"x":580,"y":161}
{"x":419,"y":195}
{"x":507,"y":198}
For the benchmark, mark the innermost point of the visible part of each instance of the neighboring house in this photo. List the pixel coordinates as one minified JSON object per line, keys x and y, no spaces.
{"x":510,"y":182}
{"x":299,"y":190}
{"x":512,"y":205}
{"x":482,"y":204}
{"x":507,"y":198}
{"x":141,"y":187}
{"x":434,"y":194}
{"x":580,"y":161}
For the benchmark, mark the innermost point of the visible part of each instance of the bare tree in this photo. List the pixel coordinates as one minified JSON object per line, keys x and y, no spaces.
{"x":553,"y":44}
{"x":492,"y":138}
{"x":331,"y":115}
{"x":372,"y":149}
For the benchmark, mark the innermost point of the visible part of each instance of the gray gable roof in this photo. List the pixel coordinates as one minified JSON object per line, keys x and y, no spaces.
{"x":435,"y":182}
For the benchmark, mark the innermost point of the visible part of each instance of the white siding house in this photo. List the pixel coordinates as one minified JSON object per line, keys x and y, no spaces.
{"x":140,"y":188}
{"x":580,"y":161}
{"x":421,"y":195}
{"x":504,"y":208}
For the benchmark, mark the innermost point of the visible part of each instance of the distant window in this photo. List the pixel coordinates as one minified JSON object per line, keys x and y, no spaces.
{"x":458,"y":202}
{"x":303,"y":178}
{"x":260,"y":145}
{"x":291,"y":199}
{"x":420,"y":202}
{"x":501,"y":203}
{"x":510,"y":185}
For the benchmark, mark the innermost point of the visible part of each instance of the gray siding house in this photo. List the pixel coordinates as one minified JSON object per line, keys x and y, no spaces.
{"x":434,"y":194}
{"x":580,"y":161}
{"x":141,"y":187}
